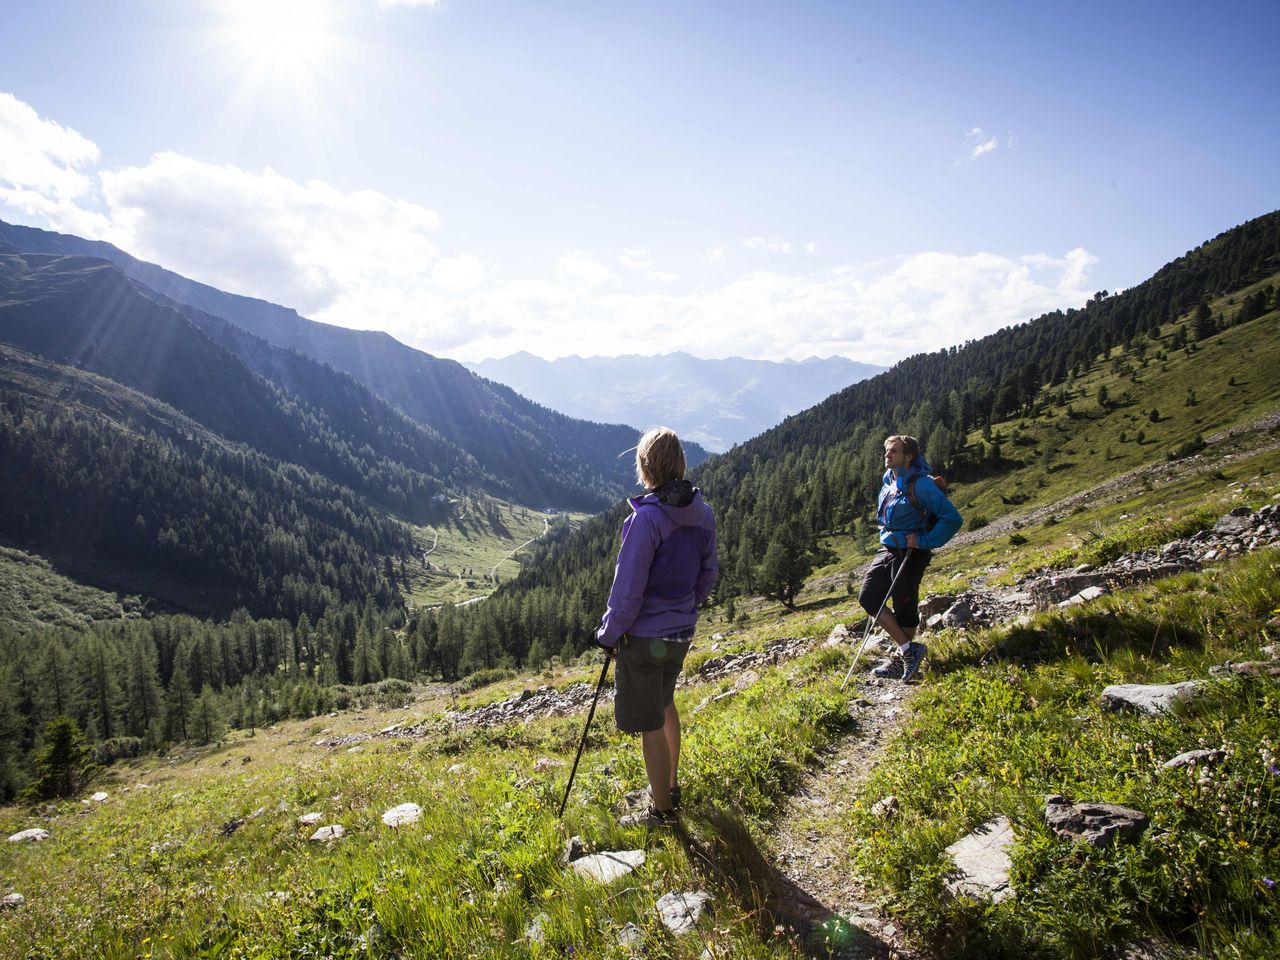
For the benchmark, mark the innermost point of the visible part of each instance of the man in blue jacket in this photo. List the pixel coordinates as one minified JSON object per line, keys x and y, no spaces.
{"x":915,"y":518}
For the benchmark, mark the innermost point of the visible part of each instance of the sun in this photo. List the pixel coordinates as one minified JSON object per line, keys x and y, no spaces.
{"x":291,"y":42}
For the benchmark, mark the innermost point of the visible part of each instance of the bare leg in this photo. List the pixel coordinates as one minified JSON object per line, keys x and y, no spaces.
{"x":671,"y":728}
{"x":890,"y":624}
{"x":657,"y":764}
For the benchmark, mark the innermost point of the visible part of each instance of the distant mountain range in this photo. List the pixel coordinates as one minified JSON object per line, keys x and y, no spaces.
{"x":535,"y":455}
{"x":716,"y":403}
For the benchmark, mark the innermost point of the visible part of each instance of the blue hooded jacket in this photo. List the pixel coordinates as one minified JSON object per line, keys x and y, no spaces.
{"x":898,"y":516}
{"x":666,"y":567}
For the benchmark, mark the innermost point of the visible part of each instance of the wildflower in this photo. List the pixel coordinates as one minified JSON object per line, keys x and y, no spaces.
{"x":1274,"y":770}
{"x":1271,"y":884}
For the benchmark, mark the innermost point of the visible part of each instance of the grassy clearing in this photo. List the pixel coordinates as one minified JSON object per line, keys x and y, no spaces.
{"x":472,"y":552}
{"x":998,"y":738}
{"x":33,"y":594}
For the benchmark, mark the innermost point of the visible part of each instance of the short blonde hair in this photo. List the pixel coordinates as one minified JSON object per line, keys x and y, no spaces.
{"x":659,"y":458}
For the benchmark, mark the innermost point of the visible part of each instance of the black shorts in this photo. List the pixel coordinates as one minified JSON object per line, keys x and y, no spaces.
{"x":646,"y":681}
{"x":906,"y":591}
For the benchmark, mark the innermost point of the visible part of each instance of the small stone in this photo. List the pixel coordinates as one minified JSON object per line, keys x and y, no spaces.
{"x":1193,"y":758}
{"x":310,"y":819}
{"x":1150,"y":698}
{"x":1084,"y":596}
{"x":12,"y":901}
{"x":402,"y":815}
{"x":543,"y":764}
{"x":1098,"y":824}
{"x":34,"y":835}
{"x":982,"y":862}
{"x":679,"y":912}
{"x":534,"y":932}
{"x":100,"y":797}
{"x":630,"y":936}
{"x":332,"y":832}
{"x":886,"y":808}
{"x":574,"y":849}
{"x":609,"y":866}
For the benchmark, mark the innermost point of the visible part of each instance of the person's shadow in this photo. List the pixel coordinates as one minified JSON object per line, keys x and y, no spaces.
{"x":729,"y":860}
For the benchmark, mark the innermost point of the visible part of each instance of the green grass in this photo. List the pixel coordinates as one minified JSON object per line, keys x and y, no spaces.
{"x":33,"y":594}
{"x":1231,"y":374}
{"x":997,"y":738}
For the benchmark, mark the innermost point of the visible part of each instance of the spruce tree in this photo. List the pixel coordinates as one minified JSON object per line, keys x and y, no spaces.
{"x":62,"y":764}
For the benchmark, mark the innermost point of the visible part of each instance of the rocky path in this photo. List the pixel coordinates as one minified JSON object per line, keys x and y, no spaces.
{"x":811,"y":845}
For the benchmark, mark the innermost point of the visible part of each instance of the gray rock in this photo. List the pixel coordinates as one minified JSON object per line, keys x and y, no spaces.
{"x":1233,"y":526}
{"x":335,"y":831}
{"x":1193,"y":758}
{"x":1248,"y":668}
{"x":310,"y":819}
{"x":680,"y":911}
{"x":1151,"y":698}
{"x":609,"y":866}
{"x":885,"y":808}
{"x":12,"y":901}
{"x":34,"y":835}
{"x":574,"y":849}
{"x":534,"y":932}
{"x":402,"y":815}
{"x":630,"y":936}
{"x":982,"y":862}
{"x":839,"y":634}
{"x":938,"y":603}
{"x":935,"y":622}
{"x":1099,"y":824}
{"x":1084,"y":596}
{"x":958,"y":614}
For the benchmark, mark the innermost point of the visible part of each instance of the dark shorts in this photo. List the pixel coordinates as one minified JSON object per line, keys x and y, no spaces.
{"x":646,"y":681}
{"x":906,"y":591}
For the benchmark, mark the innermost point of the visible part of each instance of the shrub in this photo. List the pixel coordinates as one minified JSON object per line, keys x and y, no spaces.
{"x":482,"y":678}
{"x":109,"y":751}
{"x":977,"y":522}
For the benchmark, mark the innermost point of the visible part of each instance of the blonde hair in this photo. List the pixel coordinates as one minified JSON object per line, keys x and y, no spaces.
{"x":659,"y":458}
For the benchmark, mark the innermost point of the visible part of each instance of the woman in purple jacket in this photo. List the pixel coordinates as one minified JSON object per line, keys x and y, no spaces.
{"x":666,"y":568}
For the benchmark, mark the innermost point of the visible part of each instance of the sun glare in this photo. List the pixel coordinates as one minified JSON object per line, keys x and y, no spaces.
{"x":289,"y":41}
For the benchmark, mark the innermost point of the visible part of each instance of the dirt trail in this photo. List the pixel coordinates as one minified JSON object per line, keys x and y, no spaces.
{"x":811,"y":846}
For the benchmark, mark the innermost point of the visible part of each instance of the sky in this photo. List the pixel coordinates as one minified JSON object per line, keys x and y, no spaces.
{"x":775,"y":181}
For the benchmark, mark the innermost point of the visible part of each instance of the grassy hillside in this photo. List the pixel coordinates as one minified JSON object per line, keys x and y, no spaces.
{"x":201,"y":854}
{"x":482,"y":544}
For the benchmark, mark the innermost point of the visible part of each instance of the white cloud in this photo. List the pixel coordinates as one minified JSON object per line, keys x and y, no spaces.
{"x":811,"y":248}
{"x":42,"y":169}
{"x":979,"y":144}
{"x":308,"y":245}
{"x":635,"y":258}
{"x":384,"y":4}
{"x":768,"y":244}
{"x":366,"y":260}
{"x":459,"y":274}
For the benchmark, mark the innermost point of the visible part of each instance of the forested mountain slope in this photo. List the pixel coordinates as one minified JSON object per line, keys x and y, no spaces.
{"x":546,"y":456}
{"x":817,"y":473}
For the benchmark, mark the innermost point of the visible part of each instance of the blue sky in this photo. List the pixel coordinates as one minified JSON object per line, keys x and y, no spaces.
{"x":478,"y":177}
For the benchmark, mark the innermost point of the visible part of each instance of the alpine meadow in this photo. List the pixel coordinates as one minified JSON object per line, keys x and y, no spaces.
{"x":676,"y":481}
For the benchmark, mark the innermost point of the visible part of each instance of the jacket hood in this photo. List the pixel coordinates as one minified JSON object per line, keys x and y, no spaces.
{"x":680,"y":500}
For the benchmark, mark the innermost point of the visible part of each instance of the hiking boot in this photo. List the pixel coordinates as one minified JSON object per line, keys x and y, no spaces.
{"x":902,"y":666}
{"x":651,"y":818}
{"x":675,"y":798}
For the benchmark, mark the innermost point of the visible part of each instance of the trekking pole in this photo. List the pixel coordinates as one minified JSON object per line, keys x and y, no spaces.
{"x":867,"y":636}
{"x":608,"y":655}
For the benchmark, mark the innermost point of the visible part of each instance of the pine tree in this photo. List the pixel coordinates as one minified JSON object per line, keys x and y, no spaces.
{"x":207,"y":721}
{"x":62,"y":764}
{"x":787,"y":561}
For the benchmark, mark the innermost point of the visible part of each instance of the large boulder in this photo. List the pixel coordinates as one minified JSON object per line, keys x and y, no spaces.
{"x":1098,"y":824}
{"x":982,"y":862}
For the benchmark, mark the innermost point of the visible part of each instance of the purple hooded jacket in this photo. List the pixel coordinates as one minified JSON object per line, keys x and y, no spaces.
{"x":666,"y":566}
